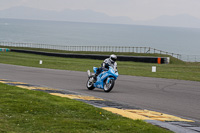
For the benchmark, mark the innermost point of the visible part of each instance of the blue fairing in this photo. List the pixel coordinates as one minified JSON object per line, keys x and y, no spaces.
{"x":95,"y":69}
{"x":101,"y":78}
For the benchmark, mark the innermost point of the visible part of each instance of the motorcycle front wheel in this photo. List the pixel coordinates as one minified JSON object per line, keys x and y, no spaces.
{"x":89,"y":83}
{"x":108,"y":86}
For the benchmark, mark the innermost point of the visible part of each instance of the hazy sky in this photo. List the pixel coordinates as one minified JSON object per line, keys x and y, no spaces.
{"x":135,"y":9}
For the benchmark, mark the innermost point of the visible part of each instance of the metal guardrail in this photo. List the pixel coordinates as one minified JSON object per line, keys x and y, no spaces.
{"x":102,"y":49}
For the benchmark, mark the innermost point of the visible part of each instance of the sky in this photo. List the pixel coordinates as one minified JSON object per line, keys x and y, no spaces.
{"x":137,"y":10}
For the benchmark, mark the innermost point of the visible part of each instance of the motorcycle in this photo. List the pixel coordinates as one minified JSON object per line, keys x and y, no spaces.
{"x":105,"y":80}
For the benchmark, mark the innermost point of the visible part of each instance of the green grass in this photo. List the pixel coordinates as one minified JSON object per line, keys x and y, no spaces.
{"x":25,"y":111}
{"x":178,"y":70}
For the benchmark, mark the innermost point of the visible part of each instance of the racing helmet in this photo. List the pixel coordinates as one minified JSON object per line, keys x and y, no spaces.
{"x":113,"y":57}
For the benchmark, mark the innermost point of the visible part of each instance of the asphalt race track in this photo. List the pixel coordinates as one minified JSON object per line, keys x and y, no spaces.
{"x":175,"y":97}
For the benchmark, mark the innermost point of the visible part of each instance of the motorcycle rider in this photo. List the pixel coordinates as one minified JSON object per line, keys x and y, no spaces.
{"x":111,"y":61}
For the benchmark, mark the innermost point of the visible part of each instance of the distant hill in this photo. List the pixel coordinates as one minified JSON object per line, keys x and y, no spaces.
{"x":182,"y":20}
{"x":22,"y":12}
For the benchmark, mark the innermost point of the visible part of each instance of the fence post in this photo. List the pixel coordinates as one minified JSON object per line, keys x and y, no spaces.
{"x":195,"y":59}
{"x":149,"y":49}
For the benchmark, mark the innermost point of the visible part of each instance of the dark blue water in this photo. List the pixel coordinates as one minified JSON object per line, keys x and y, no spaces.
{"x":170,"y":39}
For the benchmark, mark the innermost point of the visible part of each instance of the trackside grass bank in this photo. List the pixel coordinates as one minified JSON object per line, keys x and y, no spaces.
{"x":172,"y":59}
{"x":176,"y":70}
{"x":25,"y":111}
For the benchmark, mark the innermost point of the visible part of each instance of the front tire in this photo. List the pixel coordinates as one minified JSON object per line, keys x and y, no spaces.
{"x":109,"y":86}
{"x":90,"y":82}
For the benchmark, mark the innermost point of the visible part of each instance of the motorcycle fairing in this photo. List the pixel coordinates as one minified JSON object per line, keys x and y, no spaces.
{"x":102,"y":77}
{"x":95,"y":69}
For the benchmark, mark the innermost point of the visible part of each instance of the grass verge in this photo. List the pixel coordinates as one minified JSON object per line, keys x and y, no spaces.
{"x":34,"y":111}
{"x":181,"y":70}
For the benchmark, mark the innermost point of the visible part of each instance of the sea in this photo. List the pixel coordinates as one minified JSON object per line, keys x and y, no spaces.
{"x":185,"y":41}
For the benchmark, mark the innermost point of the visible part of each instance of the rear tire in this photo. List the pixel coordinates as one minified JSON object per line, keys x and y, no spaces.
{"x":89,"y":83}
{"x":109,"y":86}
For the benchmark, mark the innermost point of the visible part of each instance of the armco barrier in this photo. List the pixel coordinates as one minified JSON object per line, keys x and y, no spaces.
{"x":4,"y":49}
{"x":146,"y":59}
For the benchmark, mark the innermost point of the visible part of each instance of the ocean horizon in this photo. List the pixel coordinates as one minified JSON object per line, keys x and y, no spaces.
{"x":185,"y":41}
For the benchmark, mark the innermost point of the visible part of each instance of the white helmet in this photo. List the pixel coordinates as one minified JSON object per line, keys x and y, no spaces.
{"x":113,"y":57}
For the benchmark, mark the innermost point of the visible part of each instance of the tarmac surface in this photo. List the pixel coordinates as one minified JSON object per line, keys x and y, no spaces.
{"x":174,"y":97}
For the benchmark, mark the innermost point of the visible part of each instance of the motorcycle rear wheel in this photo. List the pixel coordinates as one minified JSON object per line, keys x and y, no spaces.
{"x":109,"y":86}
{"x":89,"y":83}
